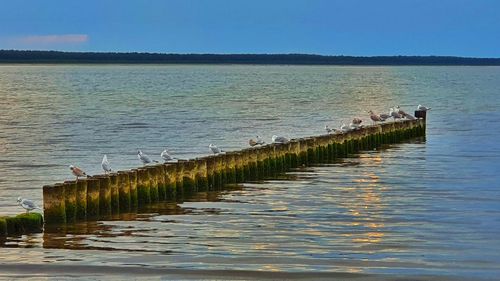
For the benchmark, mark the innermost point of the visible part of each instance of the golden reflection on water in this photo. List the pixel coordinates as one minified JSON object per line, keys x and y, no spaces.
{"x":366,"y":205}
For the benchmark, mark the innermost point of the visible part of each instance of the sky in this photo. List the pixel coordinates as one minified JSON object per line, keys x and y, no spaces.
{"x":468,"y":28}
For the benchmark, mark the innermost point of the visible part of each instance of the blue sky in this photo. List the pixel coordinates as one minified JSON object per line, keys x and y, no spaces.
{"x":355,"y":27}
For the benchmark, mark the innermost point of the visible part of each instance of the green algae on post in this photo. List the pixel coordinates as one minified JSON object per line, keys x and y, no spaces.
{"x":70,"y":200}
{"x":132,"y":175}
{"x":54,"y":204}
{"x":81,"y":200}
{"x":93,"y":193}
{"x":124,"y":191}
{"x":104,"y":196}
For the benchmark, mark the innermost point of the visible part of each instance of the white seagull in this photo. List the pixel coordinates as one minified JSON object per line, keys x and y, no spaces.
{"x":394,"y":114}
{"x":344,"y":128}
{"x":28,"y":205}
{"x":423,"y":108}
{"x":215,"y":149}
{"x":144,"y":158}
{"x":77,"y":172}
{"x":167,"y":157}
{"x":328,"y":129}
{"x":400,"y":111}
{"x":277,"y":139}
{"x":105,"y":164}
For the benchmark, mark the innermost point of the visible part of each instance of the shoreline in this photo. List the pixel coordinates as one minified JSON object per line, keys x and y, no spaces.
{"x":9,"y":271}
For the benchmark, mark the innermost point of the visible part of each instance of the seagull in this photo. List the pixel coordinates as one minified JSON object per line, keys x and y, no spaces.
{"x":423,"y":108}
{"x":409,"y":116}
{"x":215,"y":149}
{"x":257,"y":141}
{"x":167,"y":157}
{"x":384,"y":116}
{"x":375,"y":118}
{"x":354,"y":126}
{"x":344,"y":128}
{"x":400,"y":111}
{"x":277,"y":139}
{"x":28,"y":205}
{"x":77,"y":172}
{"x":328,"y":129}
{"x":394,"y":114}
{"x":356,"y":121}
{"x":144,"y":158}
{"x":105,"y":164}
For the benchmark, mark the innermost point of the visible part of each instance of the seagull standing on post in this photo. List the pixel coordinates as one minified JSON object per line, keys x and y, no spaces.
{"x":167,"y":157}
{"x":257,"y":141}
{"x":374,"y":117}
{"x":144,"y":158}
{"x":28,"y":205}
{"x":214,"y":149}
{"x":423,"y":108}
{"x":105,"y":164}
{"x":277,"y":139}
{"x":77,"y":172}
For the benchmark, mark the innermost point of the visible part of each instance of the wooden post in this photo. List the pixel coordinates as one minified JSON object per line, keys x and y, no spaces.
{"x":70,"y":200}
{"x":132,"y":175}
{"x":143,"y":190}
{"x":104,"y":196}
{"x":81,"y":200}
{"x":54,"y":204}
{"x":171,"y":181}
{"x":124,"y":191}
{"x":93,"y":186}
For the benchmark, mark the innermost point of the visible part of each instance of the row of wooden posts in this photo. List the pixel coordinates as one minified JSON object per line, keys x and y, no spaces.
{"x":100,"y":197}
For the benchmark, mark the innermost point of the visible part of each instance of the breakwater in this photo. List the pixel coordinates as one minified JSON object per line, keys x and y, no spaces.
{"x":103,"y":196}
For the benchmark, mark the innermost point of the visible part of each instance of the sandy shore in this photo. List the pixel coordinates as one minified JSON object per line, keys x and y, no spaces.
{"x":64,"y":272}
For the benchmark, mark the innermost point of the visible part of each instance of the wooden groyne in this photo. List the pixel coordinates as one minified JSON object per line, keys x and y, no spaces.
{"x":105,"y":196}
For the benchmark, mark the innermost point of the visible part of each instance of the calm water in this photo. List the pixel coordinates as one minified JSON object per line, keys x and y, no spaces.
{"x":417,"y":208}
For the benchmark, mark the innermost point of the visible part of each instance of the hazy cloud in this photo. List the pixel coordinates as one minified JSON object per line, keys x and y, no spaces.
{"x":46,"y":41}
{"x":53,"y":39}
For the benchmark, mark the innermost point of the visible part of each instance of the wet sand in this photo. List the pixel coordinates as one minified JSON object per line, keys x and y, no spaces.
{"x":58,"y":272}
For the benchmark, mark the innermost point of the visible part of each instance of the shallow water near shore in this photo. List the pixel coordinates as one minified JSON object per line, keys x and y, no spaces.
{"x":421,"y":208}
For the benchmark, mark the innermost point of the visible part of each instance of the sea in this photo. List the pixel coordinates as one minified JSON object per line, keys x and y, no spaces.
{"x":424,"y":209}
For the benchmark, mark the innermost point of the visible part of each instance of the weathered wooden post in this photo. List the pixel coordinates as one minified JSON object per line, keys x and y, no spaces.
{"x":162,"y":187}
{"x":93,"y":186}
{"x":239,"y":167}
{"x":81,"y":200}
{"x":189,"y":177}
{"x":171,"y":181}
{"x":104,"y":196}
{"x":210,"y":163}
{"x":180,"y":181}
{"x":70,"y":200}
{"x":257,"y":163}
{"x":153,"y":183}
{"x":230,"y":167}
{"x":294,"y":153}
{"x":201,"y":174}
{"x":124,"y":191}
{"x":143,"y":190}
{"x":304,"y":148}
{"x":219,"y":174}
{"x":132,"y":175}
{"x":115,"y":193}
{"x":54,"y":204}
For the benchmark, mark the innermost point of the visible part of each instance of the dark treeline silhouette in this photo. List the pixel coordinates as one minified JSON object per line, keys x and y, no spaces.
{"x":15,"y":56}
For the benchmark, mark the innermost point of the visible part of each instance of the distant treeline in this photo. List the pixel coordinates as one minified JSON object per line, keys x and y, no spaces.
{"x":14,"y":56}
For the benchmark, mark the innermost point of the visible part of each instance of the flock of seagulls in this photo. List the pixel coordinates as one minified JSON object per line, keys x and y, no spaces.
{"x":394,"y":112}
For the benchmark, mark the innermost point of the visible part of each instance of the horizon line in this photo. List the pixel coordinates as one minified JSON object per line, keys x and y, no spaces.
{"x":243,"y":54}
